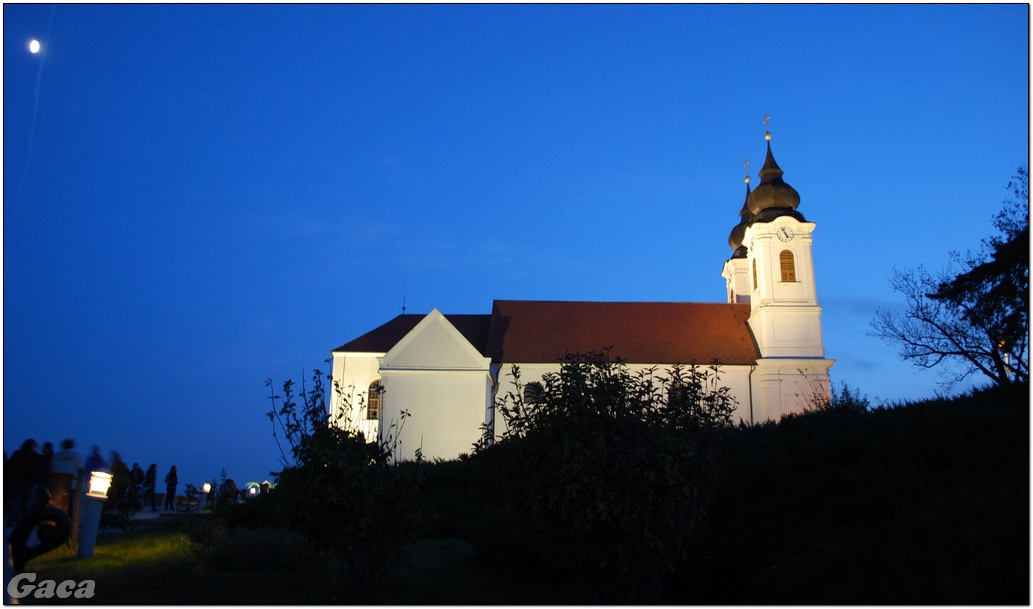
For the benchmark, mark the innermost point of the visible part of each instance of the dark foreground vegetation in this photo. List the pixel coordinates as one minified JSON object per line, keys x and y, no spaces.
{"x":923,"y":503}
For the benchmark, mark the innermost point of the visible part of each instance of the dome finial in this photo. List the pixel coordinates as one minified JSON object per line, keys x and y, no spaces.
{"x":767,"y":134}
{"x":746,"y":166}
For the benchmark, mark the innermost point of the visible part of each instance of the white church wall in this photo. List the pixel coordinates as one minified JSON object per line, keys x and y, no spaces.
{"x":446,"y":411}
{"x":736,"y":272}
{"x":790,"y":386}
{"x":353,"y":373}
{"x":441,"y":381}
{"x":765,"y":248}
{"x":788,"y":332}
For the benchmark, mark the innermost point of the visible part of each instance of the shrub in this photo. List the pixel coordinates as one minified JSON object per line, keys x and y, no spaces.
{"x":338,"y":490}
{"x":923,"y":503}
{"x":612,"y":469}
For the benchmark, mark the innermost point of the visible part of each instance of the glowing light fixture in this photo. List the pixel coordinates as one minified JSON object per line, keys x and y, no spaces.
{"x":100,"y":482}
{"x":207,"y":488}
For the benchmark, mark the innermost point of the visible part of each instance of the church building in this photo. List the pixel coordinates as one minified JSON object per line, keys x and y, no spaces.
{"x":445,"y":371}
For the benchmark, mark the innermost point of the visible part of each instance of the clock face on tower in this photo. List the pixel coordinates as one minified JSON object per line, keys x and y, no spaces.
{"x":785,"y":234}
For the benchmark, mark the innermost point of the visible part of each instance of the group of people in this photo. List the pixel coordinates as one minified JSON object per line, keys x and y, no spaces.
{"x":58,"y":472}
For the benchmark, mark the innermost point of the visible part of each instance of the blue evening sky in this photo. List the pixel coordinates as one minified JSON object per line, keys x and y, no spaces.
{"x":201,"y":197}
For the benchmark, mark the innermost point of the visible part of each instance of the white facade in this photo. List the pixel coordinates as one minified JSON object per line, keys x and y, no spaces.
{"x":435,"y":376}
{"x":352,"y":374}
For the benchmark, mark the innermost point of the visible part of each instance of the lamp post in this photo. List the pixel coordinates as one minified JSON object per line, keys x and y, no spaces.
{"x":203,"y":499}
{"x":100,"y":482}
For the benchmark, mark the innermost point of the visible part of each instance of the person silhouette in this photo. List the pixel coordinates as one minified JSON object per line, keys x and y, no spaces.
{"x":171,"y":481}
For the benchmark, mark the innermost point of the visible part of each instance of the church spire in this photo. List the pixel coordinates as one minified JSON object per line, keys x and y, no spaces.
{"x":773,"y":197}
{"x":770,"y":170}
{"x":745,"y":217}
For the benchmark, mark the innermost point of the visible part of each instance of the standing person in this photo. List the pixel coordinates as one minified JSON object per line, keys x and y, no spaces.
{"x":136,"y":478}
{"x":95,"y":462}
{"x":48,"y":456}
{"x":24,"y":470}
{"x":136,"y":474}
{"x":67,"y":460}
{"x":65,"y":468}
{"x":150,"y":481}
{"x":120,"y":477}
{"x":171,"y":481}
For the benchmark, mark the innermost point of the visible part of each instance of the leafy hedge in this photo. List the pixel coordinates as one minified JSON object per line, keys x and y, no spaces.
{"x":919,"y":503}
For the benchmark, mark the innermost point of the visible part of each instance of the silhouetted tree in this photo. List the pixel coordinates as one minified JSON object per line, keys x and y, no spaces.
{"x":976,"y":312}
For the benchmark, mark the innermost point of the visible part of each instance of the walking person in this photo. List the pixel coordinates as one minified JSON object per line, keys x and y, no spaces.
{"x":171,"y":481}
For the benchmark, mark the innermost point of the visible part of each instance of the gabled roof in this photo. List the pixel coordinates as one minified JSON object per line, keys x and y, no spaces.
{"x":435,"y":343}
{"x":380,"y":340}
{"x":526,"y":331}
{"x":639,"y":332}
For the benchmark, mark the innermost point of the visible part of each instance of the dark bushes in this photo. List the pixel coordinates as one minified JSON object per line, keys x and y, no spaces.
{"x":339,"y":491}
{"x":609,"y":472}
{"x":922,"y":503}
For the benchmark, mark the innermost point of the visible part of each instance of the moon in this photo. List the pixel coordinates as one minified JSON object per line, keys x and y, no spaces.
{"x":34,"y":47}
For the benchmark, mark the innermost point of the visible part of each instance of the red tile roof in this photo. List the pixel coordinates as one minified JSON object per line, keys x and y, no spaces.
{"x":522,"y":331}
{"x":638,"y":332}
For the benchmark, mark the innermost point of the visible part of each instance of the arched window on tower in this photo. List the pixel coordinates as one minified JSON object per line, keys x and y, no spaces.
{"x":754,"y":273}
{"x":788,"y":265}
{"x":373,"y":400}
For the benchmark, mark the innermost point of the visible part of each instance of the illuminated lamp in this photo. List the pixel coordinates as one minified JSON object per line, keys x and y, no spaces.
{"x":100,"y":482}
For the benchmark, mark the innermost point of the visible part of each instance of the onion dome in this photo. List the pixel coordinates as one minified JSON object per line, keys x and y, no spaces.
{"x":773,"y":193}
{"x":736,"y":236}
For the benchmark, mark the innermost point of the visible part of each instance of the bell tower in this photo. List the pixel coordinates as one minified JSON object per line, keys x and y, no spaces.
{"x":773,"y":257}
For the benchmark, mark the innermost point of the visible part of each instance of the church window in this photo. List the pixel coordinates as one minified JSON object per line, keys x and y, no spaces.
{"x":373,"y":402}
{"x":533,"y":392}
{"x":788,"y":265}
{"x":754,"y":273}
